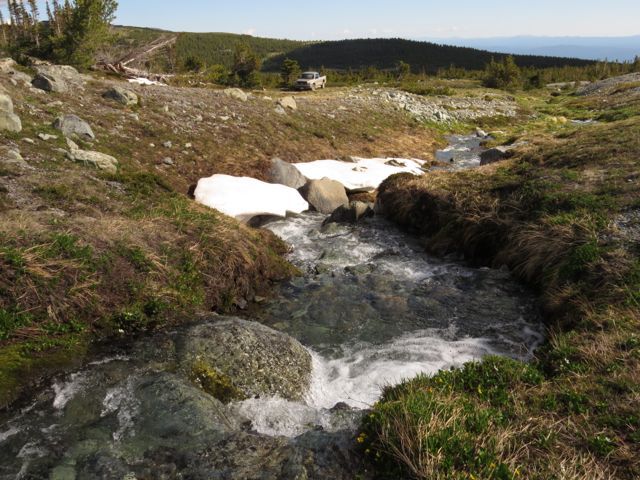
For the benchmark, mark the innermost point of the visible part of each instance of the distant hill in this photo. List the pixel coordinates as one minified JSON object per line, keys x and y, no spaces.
{"x":385,"y":54}
{"x":218,"y":49}
{"x":589,"y":48}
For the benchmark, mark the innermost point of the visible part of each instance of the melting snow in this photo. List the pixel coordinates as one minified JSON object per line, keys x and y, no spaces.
{"x":145,"y":81}
{"x":363,"y":174}
{"x":244,"y":197}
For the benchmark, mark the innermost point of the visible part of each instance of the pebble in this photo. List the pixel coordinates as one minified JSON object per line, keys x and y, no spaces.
{"x":167,"y":161}
{"x":46,"y":137}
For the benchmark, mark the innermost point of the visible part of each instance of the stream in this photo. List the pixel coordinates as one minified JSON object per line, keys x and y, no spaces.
{"x":371,"y":309}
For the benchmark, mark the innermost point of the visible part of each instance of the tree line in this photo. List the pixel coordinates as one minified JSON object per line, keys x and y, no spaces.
{"x":72,"y":32}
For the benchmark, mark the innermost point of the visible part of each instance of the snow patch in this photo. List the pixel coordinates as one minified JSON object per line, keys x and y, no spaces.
{"x":363,"y":174}
{"x":145,"y":81}
{"x":245,"y":198}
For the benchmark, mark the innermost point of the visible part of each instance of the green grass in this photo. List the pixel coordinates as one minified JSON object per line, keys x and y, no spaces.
{"x":548,"y":215}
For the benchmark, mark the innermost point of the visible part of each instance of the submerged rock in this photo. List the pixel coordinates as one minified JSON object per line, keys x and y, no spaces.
{"x":246,"y":357}
{"x":352,"y":213}
{"x":494,"y":155}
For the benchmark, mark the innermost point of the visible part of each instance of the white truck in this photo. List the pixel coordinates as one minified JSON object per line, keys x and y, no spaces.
{"x":311,"y":81}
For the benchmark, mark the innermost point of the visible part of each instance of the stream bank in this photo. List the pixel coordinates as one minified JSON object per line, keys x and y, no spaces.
{"x":371,"y":309}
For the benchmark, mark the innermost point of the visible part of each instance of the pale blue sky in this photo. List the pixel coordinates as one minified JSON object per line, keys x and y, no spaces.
{"x":333,"y":19}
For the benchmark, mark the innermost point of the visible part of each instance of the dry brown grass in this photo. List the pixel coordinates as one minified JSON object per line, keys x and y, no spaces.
{"x":548,"y":215}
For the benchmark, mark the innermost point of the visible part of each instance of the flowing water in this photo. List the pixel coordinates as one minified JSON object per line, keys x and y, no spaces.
{"x":371,"y":307}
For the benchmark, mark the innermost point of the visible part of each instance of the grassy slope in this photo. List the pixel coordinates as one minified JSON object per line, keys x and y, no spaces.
{"x":556,"y":215}
{"x":86,"y":255}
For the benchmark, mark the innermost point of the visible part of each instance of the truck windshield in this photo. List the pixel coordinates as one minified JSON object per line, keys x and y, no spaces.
{"x":308,"y":76}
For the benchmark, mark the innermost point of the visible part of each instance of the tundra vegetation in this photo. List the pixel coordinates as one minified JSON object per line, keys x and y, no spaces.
{"x":87,"y":255}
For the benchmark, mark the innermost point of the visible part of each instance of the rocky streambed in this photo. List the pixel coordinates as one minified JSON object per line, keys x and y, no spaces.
{"x":279,"y":395}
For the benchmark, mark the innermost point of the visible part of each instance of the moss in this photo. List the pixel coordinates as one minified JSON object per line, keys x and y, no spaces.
{"x":24,"y":364}
{"x":216,"y":384}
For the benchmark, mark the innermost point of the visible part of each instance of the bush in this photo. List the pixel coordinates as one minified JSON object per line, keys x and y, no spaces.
{"x":504,"y":75}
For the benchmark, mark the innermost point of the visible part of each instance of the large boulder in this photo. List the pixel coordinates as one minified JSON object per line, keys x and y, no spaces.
{"x":494,"y":155}
{"x":121,"y":95}
{"x":98,"y":160}
{"x":286,"y":174}
{"x":237,"y":94}
{"x":288,"y":102}
{"x":325,"y":195}
{"x":237,"y":358}
{"x":65,"y":72}
{"x":352,"y":213}
{"x":9,"y":121}
{"x":74,"y":126}
{"x":50,"y":83}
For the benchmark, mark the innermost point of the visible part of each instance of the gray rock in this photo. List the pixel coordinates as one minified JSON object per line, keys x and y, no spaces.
{"x":481,"y":133}
{"x":494,"y":155}
{"x":286,"y":174}
{"x":395,"y":163}
{"x":72,"y":125}
{"x":325,"y":195}
{"x":167,"y":161}
{"x":608,"y":85}
{"x":98,"y":160}
{"x":288,"y":102}
{"x":65,"y":72}
{"x":170,"y":407}
{"x":257,"y":360}
{"x":8,"y":67}
{"x":7,"y":64}
{"x":122,"y":96}
{"x":352,"y":213}
{"x":167,"y":144}
{"x":49,"y":83}
{"x":279,"y":110}
{"x":46,"y":137}
{"x":6,"y":104}
{"x":10,"y":122}
{"x":13,"y":157}
{"x":237,"y":94}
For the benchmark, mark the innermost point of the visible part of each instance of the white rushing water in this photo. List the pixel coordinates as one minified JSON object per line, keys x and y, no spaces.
{"x":355,"y":371}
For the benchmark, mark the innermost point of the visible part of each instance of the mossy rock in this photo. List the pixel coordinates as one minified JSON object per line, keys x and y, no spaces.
{"x":235,"y":359}
{"x":216,"y":384}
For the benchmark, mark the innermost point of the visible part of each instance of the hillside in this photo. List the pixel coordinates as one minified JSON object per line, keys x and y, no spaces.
{"x":218,"y":49}
{"x":385,"y":54}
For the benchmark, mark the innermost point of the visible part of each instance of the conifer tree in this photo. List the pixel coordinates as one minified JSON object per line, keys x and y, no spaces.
{"x":3,"y":26}
{"x":34,"y":22}
{"x":289,"y":72}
